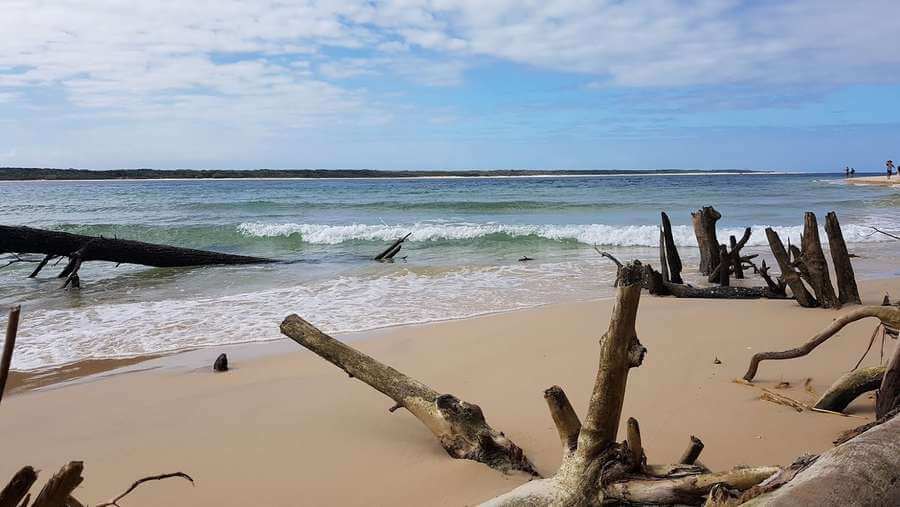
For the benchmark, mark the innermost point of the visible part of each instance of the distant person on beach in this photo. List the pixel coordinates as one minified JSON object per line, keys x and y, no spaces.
{"x":852,"y":172}
{"x":847,"y":171}
{"x":890,"y":168}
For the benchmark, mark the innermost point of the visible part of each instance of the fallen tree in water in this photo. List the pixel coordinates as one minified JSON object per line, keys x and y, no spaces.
{"x":78,"y":249}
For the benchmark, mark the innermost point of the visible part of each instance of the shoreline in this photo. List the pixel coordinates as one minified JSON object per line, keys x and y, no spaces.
{"x":280,"y":402}
{"x":880,"y":181}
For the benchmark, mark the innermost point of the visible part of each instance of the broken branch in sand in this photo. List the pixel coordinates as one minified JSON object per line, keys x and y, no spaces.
{"x":460,"y":427}
{"x":138,"y":482}
{"x":888,"y":316}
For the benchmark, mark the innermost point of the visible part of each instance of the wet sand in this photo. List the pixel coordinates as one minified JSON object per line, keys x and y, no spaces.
{"x":284,"y":427}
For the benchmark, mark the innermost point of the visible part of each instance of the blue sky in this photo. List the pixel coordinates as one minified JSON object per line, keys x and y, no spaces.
{"x":434,"y":84}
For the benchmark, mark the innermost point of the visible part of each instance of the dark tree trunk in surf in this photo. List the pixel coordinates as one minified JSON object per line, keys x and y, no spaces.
{"x":704,"y":221}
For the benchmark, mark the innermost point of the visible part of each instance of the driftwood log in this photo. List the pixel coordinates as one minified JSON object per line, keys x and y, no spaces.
{"x":78,"y":249}
{"x":889,"y":317}
{"x":788,"y":272}
{"x":460,"y":427}
{"x":846,"y":280}
{"x":704,"y":221}
{"x":849,"y":387}
{"x":654,"y":283}
{"x":390,"y":252}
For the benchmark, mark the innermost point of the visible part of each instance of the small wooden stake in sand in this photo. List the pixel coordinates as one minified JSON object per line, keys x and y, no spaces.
{"x":12,"y":327}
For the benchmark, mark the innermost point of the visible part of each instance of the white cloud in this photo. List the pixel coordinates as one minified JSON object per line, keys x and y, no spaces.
{"x":270,"y":65}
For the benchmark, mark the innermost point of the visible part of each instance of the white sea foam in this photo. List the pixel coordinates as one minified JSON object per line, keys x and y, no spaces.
{"x":343,"y":304}
{"x":591,"y":234}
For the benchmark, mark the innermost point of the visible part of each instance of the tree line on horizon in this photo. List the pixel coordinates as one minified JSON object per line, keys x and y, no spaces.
{"x":38,"y":173}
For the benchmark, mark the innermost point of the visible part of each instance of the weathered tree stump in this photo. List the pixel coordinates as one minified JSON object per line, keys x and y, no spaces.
{"x":18,"y":487}
{"x":788,"y":273}
{"x":724,"y":267}
{"x":843,"y":269}
{"x":669,"y":259}
{"x":704,"y":221}
{"x":812,"y":264}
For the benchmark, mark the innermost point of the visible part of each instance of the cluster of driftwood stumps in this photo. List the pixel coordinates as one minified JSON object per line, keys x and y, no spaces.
{"x":597,"y":470}
{"x":719,"y":262}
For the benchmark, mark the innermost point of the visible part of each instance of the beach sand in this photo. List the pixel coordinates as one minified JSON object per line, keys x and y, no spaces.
{"x":285,"y":428}
{"x":882,"y":181}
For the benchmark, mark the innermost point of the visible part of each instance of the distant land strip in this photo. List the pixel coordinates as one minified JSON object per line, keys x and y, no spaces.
{"x":37,"y":173}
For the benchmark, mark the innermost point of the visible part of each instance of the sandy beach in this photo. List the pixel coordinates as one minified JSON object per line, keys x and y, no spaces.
{"x":881,"y":181}
{"x":284,"y":427}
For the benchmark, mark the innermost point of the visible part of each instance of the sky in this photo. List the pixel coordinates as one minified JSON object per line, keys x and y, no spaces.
{"x":802,"y":85}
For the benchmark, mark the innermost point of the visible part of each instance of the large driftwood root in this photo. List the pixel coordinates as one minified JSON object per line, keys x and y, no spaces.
{"x":888,"y":316}
{"x":861,"y":471}
{"x":599,"y":470}
{"x":460,"y":427}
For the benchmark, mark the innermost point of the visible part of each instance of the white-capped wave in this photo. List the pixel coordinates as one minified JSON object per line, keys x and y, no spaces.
{"x":591,"y":234}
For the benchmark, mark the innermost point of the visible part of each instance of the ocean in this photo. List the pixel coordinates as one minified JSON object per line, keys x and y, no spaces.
{"x":461,"y":259}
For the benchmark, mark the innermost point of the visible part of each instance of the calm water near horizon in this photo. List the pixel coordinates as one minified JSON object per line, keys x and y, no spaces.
{"x":461,"y":260}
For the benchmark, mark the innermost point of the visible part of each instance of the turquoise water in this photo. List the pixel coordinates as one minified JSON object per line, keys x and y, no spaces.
{"x":461,"y":260}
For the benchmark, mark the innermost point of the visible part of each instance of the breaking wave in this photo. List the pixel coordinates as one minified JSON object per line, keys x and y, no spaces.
{"x":592,"y":234}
